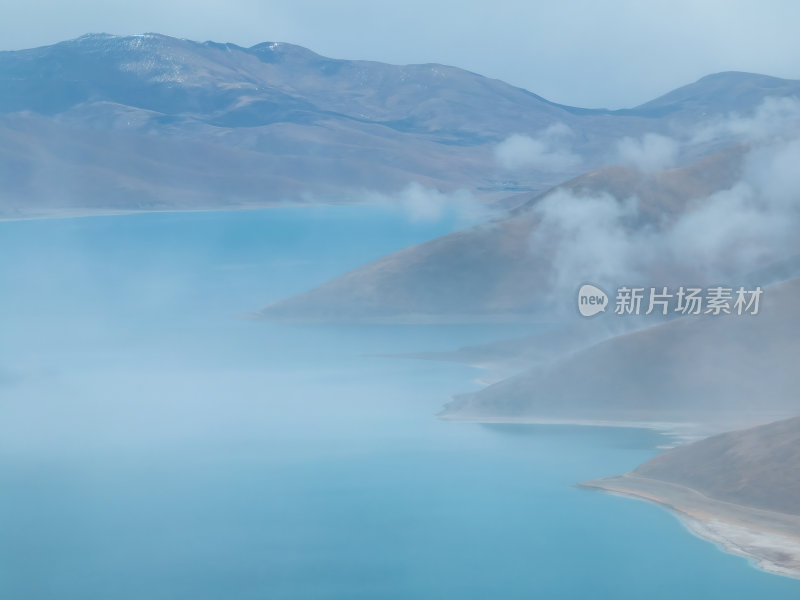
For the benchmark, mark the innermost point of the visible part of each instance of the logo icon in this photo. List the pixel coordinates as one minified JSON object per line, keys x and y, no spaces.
{"x":591,"y":300}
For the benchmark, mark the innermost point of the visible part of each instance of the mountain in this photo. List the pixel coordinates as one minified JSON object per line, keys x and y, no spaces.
{"x":758,"y":467}
{"x":151,"y":122}
{"x":719,"y":371}
{"x":720,"y":93}
{"x":739,"y":489}
{"x":107,"y":123}
{"x":491,"y":271}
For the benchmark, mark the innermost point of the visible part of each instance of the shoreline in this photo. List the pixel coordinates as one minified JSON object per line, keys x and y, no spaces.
{"x":85,"y":213}
{"x":769,"y":540}
{"x":680,"y":432}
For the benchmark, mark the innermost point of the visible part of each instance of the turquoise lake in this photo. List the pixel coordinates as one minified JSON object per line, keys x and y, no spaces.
{"x":156,"y":444}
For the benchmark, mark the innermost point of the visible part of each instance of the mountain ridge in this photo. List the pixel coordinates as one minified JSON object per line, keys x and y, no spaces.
{"x":311,"y":128}
{"x":490,"y":271}
{"x":692,"y":370}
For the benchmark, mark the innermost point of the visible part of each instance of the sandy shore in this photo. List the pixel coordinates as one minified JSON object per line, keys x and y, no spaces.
{"x":770,"y":540}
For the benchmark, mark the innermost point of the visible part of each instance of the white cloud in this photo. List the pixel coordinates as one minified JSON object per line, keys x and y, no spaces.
{"x":774,"y":117}
{"x":775,"y":169}
{"x":584,"y":237}
{"x":423,"y":204}
{"x":549,"y":151}
{"x":720,"y":238}
{"x":651,"y":152}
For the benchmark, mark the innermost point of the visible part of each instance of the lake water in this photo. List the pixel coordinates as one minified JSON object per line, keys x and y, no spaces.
{"x":156,"y":445}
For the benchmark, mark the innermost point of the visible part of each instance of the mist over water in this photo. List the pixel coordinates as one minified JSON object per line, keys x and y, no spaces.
{"x":154,"y":443}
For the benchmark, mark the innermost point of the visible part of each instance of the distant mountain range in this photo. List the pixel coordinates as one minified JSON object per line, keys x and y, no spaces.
{"x":106,"y":123}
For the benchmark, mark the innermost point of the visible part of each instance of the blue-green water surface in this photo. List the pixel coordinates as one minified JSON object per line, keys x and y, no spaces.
{"x":156,"y":445}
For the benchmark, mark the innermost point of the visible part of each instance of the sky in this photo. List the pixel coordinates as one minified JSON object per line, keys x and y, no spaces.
{"x":612,"y":54}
